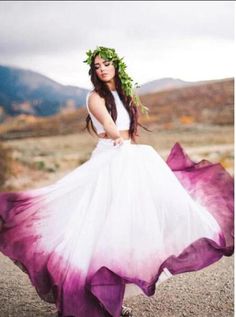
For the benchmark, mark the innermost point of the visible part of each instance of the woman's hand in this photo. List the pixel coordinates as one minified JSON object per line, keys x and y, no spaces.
{"x":118,"y":141}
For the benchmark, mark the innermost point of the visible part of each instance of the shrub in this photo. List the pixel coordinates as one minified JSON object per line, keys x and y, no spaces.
{"x":6,"y":164}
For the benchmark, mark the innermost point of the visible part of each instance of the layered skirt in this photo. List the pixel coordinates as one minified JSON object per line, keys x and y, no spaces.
{"x":118,"y":225}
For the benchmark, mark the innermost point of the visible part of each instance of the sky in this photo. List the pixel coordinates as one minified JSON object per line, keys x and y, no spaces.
{"x":189,"y":40}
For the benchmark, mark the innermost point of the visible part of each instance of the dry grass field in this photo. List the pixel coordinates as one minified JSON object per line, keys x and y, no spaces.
{"x":44,"y":159}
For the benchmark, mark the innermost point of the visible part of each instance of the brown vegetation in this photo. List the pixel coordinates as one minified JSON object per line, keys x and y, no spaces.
{"x":211,"y":104}
{"x":7,"y":167}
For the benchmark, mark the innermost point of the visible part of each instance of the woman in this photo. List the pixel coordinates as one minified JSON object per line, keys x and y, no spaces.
{"x":113,"y":227}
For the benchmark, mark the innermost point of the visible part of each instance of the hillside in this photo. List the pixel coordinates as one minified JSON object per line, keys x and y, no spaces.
{"x":210,"y":103}
{"x":160,"y":85}
{"x":27,"y":92}
{"x":207,"y":103}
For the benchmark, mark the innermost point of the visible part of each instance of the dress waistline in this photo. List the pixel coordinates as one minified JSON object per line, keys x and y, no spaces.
{"x":108,"y":141}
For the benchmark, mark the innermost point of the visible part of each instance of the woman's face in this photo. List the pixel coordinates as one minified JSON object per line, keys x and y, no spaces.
{"x":105,"y":69}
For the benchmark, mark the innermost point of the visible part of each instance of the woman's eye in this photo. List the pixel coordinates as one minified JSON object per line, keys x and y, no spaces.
{"x":106,"y":64}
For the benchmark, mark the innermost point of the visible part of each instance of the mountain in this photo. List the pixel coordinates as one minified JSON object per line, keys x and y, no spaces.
{"x":167,"y":83}
{"x":28,"y":92}
{"x":160,"y":84}
{"x":28,"y":95}
{"x":211,"y":102}
{"x":198,"y":105}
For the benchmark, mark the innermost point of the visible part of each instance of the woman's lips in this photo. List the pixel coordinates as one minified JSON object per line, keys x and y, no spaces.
{"x":103,"y":75}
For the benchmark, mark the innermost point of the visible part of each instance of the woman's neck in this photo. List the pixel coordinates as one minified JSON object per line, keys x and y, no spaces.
{"x":111,"y":85}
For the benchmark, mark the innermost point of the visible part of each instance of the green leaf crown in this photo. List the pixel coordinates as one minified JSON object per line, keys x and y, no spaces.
{"x":126,"y":81}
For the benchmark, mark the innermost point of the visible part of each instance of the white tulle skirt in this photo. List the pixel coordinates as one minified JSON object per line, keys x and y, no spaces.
{"x":117,"y":226}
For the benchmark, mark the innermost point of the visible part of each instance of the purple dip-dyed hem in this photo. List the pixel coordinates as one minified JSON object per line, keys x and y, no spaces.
{"x":209,"y":184}
{"x":101,"y":294}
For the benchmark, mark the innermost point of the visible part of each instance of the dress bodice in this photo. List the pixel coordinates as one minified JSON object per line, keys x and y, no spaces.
{"x":123,"y":119}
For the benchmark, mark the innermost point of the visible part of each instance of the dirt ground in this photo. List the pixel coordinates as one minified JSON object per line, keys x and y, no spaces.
{"x":205,"y":293}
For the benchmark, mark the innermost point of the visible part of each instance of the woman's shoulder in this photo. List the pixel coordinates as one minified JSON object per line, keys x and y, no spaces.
{"x":90,"y":95}
{"x":93,"y":96}
{"x":94,"y":101}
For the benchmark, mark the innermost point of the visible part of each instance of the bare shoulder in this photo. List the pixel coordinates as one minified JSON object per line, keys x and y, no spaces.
{"x":97,"y":107}
{"x":95,"y":98}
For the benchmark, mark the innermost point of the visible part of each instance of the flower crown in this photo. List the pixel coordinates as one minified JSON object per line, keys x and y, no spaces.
{"x":126,"y":81}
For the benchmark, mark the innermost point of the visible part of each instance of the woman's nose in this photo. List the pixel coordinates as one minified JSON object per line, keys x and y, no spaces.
{"x":102,"y":68}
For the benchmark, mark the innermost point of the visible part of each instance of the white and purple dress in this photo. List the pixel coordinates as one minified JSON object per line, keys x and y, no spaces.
{"x":118,"y":225}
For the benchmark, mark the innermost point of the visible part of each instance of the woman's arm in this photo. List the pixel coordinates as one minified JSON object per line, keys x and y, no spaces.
{"x":97,"y":107}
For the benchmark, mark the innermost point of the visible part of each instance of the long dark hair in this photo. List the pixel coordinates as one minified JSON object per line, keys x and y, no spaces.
{"x":101,"y":88}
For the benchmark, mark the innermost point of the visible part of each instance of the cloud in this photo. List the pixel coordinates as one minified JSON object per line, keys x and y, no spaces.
{"x":46,"y":27}
{"x":191,"y":40}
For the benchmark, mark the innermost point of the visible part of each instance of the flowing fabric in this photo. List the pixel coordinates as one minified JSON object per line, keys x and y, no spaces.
{"x":118,"y":225}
